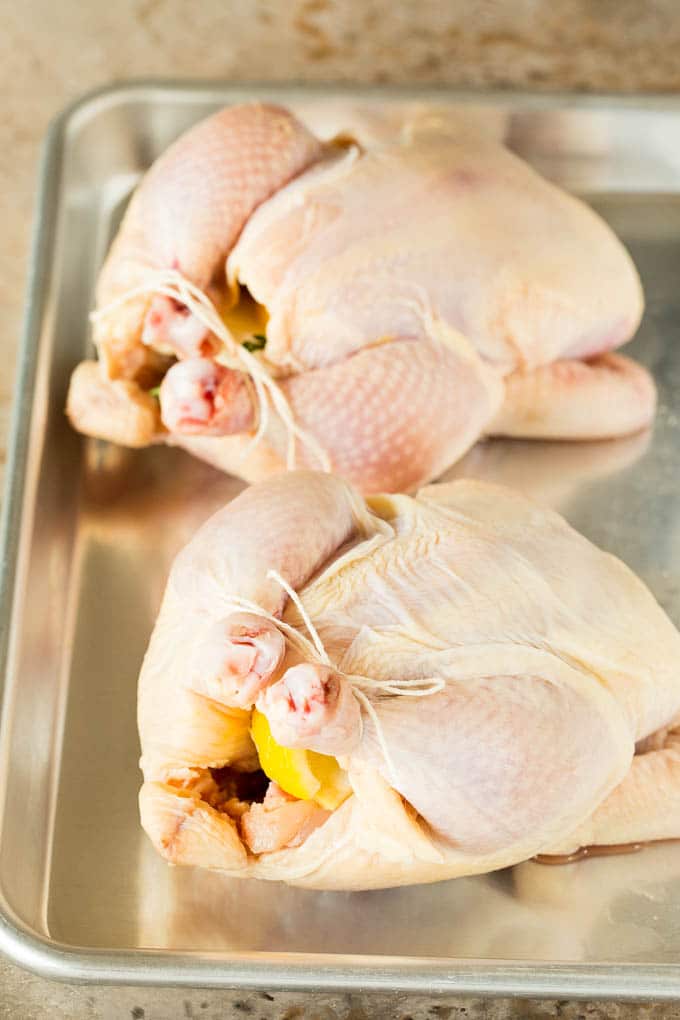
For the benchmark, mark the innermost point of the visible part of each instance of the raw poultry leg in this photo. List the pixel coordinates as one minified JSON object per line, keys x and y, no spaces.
{"x":393,"y":414}
{"x":644,"y":806}
{"x":601,"y":398}
{"x":295,"y":538}
{"x":186,"y":215}
{"x":235,"y":654}
{"x":237,"y":658}
{"x":387,"y":416}
{"x":293,"y":532}
{"x":200,"y":396}
{"x":314,"y":707}
{"x":115,"y":409}
{"x":464,"y":760}
{"x":425,"y":389}
{"x":429,"y":409}
{"x":433,"y":402}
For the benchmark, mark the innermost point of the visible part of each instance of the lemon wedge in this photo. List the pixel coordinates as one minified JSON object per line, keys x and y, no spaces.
{"x":306,"y":775}
{"x":335,"y":787}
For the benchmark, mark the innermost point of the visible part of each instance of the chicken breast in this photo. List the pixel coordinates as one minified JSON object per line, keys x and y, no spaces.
{"x":475,"y":671}
{"x":397,"y":303}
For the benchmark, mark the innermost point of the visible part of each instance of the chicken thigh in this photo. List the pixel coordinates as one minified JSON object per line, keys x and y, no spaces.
{"x":460,"y":676}
{"x":395,"y":304}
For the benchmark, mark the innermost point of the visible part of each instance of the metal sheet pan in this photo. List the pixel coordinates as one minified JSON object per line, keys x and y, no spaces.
{"x":87,"y":536}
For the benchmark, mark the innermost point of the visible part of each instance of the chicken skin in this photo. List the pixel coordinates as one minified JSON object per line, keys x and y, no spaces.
{"x":373,"y":311}
{"x":479,"y":681}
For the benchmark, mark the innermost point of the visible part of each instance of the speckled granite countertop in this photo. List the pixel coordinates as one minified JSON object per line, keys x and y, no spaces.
{"x":52,"y":52}
{"x":23,"y":997}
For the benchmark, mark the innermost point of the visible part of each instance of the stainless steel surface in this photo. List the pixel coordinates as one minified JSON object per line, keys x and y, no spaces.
{"x":88,"y":534}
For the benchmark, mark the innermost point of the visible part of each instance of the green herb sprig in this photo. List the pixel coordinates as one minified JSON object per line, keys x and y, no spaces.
{"x":257,"y":342}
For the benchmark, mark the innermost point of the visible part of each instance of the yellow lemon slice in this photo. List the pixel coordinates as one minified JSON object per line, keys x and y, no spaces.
{"x":306,"y":775}
{"x":335,"y":786}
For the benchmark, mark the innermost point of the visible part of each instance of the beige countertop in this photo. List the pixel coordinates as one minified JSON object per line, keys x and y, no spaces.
{"x":52,"y":52}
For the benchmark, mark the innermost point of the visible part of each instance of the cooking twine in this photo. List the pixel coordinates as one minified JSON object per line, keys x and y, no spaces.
{"x":174,"y":285}
{"x":312,"y":647}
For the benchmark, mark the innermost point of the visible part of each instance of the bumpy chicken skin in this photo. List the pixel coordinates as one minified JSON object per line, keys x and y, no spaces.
{"x":489,"y":674}
{"x":186,"y":215}
{"x":416,"y":296}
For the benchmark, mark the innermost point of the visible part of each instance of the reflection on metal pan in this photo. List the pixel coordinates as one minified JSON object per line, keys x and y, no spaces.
{"x":89,"y":531}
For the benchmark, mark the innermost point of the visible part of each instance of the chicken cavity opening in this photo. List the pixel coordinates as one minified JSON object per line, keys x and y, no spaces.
{"x":266,"y":817}
{"x":246,"y":319}
{"x":171,"y":328}
{"x":198,"y":395}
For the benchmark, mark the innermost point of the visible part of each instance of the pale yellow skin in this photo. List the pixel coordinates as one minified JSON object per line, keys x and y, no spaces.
{"x":557,"y":661}
{"x":421,"y":293}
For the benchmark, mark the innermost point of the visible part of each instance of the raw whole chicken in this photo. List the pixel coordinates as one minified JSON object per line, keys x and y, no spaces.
{"x":346,"y":693}
{"x":375,"y":311}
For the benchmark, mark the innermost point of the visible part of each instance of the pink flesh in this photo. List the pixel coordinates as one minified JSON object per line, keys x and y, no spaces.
{"x":313,"y":707}
{"x":200,"y":397}
{"x":237,"y":659}
{"x":169,"y":324}
{"x":280,"y":821}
